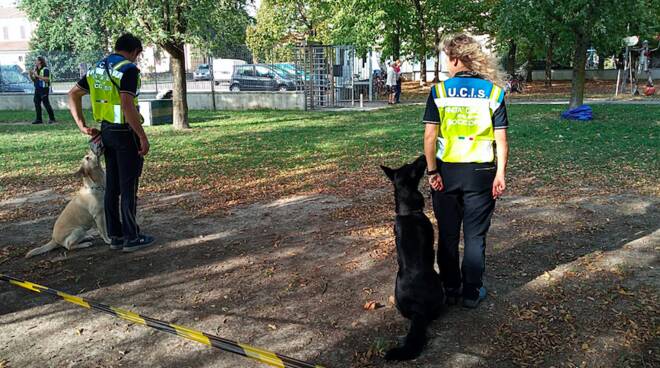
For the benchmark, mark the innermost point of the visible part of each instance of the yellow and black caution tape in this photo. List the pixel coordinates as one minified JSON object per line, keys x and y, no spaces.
{"x":264,"y":356}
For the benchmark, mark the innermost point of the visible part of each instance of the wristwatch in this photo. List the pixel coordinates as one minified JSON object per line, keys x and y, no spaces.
{"x":432,"y":172}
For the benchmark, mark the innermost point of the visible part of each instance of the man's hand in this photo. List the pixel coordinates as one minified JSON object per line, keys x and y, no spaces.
{"x":144,"y":146}
{"x":90,"y":131}
{"x":499,"y":185}
{"x":435,"y":181}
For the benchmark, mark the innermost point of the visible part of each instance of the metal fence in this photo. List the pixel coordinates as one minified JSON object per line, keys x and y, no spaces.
{"x":329,"y":76}
{"x":240,"y":72}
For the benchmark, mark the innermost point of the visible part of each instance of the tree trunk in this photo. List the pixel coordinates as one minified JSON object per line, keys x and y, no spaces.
{"x":549,"y":53}
{"x":511,"y":58}
{"x":179,"y":90}
{"x":422,"y":69}
{"x":436,"y":45}
{"x":579,"y":72}
{"x":601,"y":62}
{"x":423,"y":51}
{"x":530,"y":57}
{"x":396,"y":40}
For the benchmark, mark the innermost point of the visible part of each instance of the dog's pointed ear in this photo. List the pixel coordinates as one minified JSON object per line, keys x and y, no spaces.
{"x":80,"y":172}
{"x":420,"y":165}
{"x":421,"y":161}
{"x":389,"y":172}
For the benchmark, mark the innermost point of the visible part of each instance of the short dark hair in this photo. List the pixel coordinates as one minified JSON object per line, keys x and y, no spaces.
{"x":129,"y":43}
{"x":42,"y":59}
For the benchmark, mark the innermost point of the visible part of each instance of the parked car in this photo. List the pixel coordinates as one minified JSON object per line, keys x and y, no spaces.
{"x":292,"y":69}
{"x":261,"y":77}
{"x":203,"y":72}
{"x":223,"y":69}
{"x":13,"y":80}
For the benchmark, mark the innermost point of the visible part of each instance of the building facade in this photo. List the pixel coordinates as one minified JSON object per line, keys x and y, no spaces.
{"x":15,"y":33}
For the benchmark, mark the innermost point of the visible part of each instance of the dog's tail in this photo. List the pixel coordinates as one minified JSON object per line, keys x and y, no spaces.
{"x":52,"y":244}
{"x":414,"y":343}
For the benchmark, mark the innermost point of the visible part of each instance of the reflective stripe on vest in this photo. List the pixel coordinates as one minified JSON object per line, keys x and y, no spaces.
{"x":104,"y":92}
{"x":466,"y":131}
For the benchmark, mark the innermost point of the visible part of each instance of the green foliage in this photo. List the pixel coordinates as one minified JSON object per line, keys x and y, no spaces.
{"x":68,"y":25}
{"x":281,"y":24}
{"x":69,"y":32}
{"x":531,"y":23}
{"x":217,"y":26}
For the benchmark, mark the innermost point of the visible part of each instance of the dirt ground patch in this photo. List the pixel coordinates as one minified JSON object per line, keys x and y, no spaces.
{"x":572,"y":282}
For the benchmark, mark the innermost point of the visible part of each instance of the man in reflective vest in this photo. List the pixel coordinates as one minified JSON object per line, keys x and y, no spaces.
{"x":113,"y":85}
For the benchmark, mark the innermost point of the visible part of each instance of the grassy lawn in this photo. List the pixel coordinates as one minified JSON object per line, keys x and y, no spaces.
{"x":237,"y":153}
{"x":569,"y":273}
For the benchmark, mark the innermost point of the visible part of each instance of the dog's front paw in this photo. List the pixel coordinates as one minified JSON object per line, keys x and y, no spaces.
{"x":405,"y":352}
{"x":396,"y":354}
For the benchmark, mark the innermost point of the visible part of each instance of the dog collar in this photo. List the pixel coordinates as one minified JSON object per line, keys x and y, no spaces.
{"x":98,"y":188}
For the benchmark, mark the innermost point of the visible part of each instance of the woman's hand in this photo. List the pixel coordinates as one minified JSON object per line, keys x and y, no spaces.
{"x":435,"y":181}
{"x":499,"y":185}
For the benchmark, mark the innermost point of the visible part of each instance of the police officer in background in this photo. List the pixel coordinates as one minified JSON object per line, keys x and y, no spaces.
{"x":466,"y":153}
{"x":113,"y":85}
{"x":40,"y":75}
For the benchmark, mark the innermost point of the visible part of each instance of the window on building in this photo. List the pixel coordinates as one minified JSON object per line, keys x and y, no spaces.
{"x":5,"y":32}
{"x":22,"y":32}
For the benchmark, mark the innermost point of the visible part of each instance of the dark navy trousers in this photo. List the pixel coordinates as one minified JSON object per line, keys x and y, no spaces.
{"x":123,"y":166}
{"x":41,"y":97}
{"x":466,"y":200}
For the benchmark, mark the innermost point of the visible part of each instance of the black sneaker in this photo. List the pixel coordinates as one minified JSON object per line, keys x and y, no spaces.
{"x":52,"y":121}
{"x":452,"y":295}
{"x":37,"y":122}
{"x":473,"y":301}
{"x":116,"y":243}
{"x":142,"y":241}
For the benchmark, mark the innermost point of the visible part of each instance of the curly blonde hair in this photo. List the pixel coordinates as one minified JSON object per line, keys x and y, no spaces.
{"x":469,"y":51}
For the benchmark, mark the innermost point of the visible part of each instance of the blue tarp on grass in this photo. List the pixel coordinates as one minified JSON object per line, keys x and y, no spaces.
{"x":582,"y":113}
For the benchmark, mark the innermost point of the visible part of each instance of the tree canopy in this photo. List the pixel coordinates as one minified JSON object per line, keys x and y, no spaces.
{"x":559,"y":31}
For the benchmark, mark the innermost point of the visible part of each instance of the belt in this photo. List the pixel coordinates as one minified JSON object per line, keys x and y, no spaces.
{"x":111,"y":126}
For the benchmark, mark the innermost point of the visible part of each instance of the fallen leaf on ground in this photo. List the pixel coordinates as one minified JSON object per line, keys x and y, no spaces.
{"x":372,"y":305}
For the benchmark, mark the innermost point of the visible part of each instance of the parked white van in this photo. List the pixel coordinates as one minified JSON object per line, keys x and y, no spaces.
{"x":224,"y":68}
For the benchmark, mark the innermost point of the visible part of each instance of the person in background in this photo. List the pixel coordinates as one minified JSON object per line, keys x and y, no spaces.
{"x":391,"y":83}
{"x":397,"y":68}
{"x":40,"y":75}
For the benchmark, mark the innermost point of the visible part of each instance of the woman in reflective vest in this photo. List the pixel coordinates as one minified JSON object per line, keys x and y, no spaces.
{"x":466,"y":153}
{"x":42,"y":78}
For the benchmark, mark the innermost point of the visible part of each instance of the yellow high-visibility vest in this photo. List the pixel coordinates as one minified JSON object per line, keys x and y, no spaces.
{"x":466,"y":107}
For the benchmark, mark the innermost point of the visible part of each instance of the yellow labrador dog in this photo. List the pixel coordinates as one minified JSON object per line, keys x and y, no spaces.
{"x":84,"y":211}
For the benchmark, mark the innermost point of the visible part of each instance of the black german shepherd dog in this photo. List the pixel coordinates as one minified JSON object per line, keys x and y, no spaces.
{"x":418,"y":290}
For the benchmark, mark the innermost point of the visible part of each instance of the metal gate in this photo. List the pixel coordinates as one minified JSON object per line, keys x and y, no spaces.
{"x":327,"y":75}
